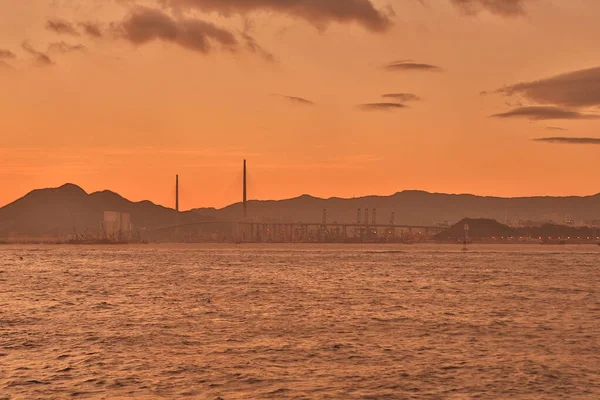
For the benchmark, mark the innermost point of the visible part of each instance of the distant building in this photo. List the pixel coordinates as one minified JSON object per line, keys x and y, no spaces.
{"x":117,"y":225}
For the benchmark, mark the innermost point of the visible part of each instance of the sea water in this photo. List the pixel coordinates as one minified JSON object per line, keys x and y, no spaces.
{"x":299,"y":322}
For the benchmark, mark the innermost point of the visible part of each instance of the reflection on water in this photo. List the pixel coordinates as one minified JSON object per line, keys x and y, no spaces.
{"x":312,"y":322}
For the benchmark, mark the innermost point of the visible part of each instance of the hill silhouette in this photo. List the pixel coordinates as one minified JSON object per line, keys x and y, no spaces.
{"x":478,"y":228}
{"x":69,"y":209}
{"x":486,"y":228}
{"x":419,"y":208}
{"x":63,"y":210}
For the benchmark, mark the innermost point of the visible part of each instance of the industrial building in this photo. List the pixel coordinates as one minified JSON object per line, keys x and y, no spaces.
{"x":117,"y":225}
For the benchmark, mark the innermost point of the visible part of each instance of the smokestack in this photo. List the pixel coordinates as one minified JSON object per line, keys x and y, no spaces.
{"x":177,"y":193}
{"x":245,"y":193}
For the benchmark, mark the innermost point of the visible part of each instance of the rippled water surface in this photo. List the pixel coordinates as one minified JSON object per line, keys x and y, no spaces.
{"x":299,"y":322}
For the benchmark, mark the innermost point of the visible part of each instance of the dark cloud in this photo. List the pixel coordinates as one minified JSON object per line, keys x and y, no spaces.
{"x":403,"y":97}
{"x":573,"y":89}
{"x":411,"y":66}
{"x":62,"y":47}
{"x":318,"y":12}
{"x":555,"y":128}
{"x":144,"y":25}
{"x":544,"y":113}
{"x":507,"y":8}
{"x":568,"y":140}
{"x":61,"y":27}
{"x":298,"y":100}
{"x":5,"y":54}
{"x":253,"y":47}
{"x":381,"y":106}
{"x":41,"y":59}
{"x":91,"y":29}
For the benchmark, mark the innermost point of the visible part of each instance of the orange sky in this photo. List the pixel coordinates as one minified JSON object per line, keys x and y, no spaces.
{"x":146,"y":99}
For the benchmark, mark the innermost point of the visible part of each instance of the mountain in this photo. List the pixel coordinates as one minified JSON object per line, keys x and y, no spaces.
{"x":422,"y":208}
{"x":68,"y":209}
{"x":63,"y":210}
{"x":478,"y":228}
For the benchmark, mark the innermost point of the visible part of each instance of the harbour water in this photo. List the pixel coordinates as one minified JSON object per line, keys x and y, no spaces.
{"x":299,"y":322}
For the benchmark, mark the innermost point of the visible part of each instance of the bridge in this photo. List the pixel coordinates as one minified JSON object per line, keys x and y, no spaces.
{"x":298,"y":232}
{"x":248,"y":230}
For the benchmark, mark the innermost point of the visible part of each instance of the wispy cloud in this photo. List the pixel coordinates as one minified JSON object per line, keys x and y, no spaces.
{"x":381,"y":106}
{"x":318,"y":12}
{"x":569,"y":140}
{"x":297,"y":100}
{"x":62,"y":47}
{"x":403,"y":97}
{"x":573,"y":89}
{"x":91,"y":29}
{"x":7,"y":54}
{"x":411,"y":66}
{"x":508,"y":8}
{"x":253,"y":47}
{"x":544,"y":113}
{"x":144,"y":25}
{"x":41,"y":59}
{"x":61,"y":27}
{"x":556,"y":128}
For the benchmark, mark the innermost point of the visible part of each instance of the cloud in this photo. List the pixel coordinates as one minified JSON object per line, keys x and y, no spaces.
{"x":41,"y":59}
{"x":253,"y":47}
{"x":298,"y":100}
{"x":61,"y":27}
{"x":555,"y":128}
{"x":144,"y":25}
{"x":381,"y":106}
{"x":411,"y":66}
{"x":318,"y":12}
{"x":91,"y":29}
{"x":6,"y":54}
{"x":62,"y":47}
{"x":544,"y":113}
{"x":508,"y":8}
{"x":403,"y":97}
{"x":573,"y":89}
{"x":568,"y":140}
{"x":4,"y":65}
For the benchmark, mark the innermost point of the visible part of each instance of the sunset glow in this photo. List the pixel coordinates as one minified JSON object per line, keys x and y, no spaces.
{"x":330,"y":98}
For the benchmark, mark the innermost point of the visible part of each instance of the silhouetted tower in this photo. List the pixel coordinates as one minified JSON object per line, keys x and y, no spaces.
{"x":374,"y":220}
{"x":358,"y":217}
{"x":393,"y":218}
{"x":177,"y":193}
{"x":324,"y":216}
{"x":245,"y":193}
{"x":366,"y":216}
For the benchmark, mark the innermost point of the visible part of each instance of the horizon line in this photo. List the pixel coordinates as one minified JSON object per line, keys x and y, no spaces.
{"x":305,"y":195}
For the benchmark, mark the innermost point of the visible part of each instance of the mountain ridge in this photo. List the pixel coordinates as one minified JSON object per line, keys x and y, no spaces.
{"x":69,"y":208}
{"x":53,"y":211}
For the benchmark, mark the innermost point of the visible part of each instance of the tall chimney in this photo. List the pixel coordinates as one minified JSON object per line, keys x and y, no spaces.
{"x":245,"y":193}
{"x":177,"y":193}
